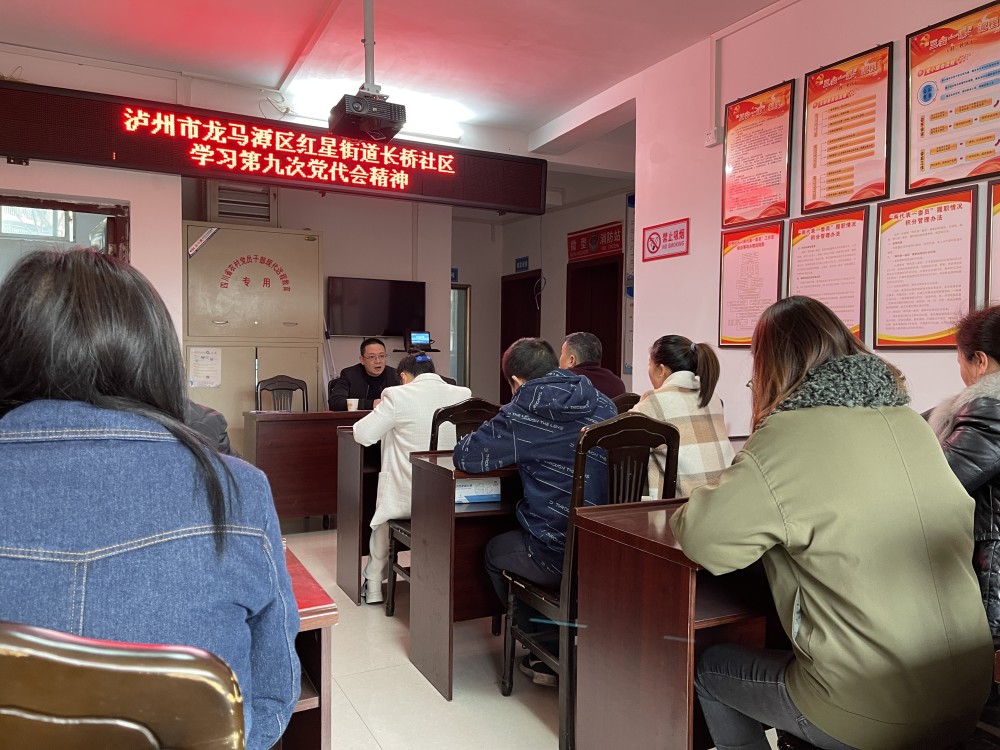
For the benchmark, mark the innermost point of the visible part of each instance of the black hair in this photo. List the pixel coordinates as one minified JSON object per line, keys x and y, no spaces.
{"x":679,"y":353}
{"x":81,"y":326}
{"x":369,"y":341}
{"x":586,"y":347}
{"x":528,"y":359}
{"x":415,"y":364}
{"x":979,"y":331}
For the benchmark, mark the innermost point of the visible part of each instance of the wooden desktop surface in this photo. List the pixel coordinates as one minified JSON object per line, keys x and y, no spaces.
{"x":310,"y":725}
{"x":646,"y":612}
{"x":448,"y":581}
{"x":298,"y":453}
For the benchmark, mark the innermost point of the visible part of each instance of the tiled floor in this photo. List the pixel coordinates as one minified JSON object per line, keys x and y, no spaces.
{"x":381,"y":701}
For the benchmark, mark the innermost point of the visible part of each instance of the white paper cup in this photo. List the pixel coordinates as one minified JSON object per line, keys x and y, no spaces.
{"x":352,"y":404}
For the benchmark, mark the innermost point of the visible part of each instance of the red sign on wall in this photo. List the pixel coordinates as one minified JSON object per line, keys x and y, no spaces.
{"x":596,"y":241}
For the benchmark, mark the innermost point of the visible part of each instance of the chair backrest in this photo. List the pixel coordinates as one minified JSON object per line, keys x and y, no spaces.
{"x":625,"y":401}
{"x":281,"y":388}
{"x":467,"y":416}
{"x":628,"y":440}
{"x":61,"y":690}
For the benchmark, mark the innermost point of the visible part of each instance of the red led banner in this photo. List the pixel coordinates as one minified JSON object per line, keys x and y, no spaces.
{"x":40,"y":122}
{"x":255,"y":149}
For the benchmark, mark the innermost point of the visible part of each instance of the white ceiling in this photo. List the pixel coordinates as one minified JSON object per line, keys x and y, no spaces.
{"x":517,"y":64}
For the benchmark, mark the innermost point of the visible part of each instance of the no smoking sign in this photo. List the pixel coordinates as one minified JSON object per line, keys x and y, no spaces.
{"x":666,"y":240}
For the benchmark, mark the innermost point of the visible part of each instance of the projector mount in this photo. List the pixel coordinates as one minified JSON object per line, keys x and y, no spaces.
{"x":367,"y":115}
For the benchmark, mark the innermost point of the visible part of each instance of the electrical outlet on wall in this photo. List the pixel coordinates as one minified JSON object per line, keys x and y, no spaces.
{"x":711,"y":137}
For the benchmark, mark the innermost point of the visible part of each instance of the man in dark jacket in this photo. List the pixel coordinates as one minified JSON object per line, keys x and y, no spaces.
{"x":581,"y":353}
{"x":364,"y":381}
{"x":210,"y":423}
{"x":538,"y":430}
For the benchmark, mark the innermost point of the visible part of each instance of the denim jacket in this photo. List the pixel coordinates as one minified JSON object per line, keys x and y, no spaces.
{"x":107,"y":534}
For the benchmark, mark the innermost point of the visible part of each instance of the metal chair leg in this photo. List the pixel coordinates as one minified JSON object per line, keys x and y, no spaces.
{"x":496,"y":624}
{"x":507,"y":681}
{"x":567,"y":688}
{"x":390,"y":594}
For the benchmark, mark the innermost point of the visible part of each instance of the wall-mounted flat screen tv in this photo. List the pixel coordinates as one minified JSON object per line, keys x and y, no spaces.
{"x":374,"y":307}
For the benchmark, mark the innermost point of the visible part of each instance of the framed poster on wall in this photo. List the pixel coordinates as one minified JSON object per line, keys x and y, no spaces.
{"x":924,"y":269}
{"x":758,"y":144}
{"x":845,"y":143}
{"x":749,"y":280}
{"x":827,"y":259}
{"x":953,"y":100}
{"x":993,"y":245}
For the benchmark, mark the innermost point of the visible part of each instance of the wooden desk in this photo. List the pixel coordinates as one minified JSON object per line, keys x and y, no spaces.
{"x":298,"y":452}
{"x":645,"y":614}
{"x":357,"y":486}
{"x":448,"y":581}
{"x":310,"y":723}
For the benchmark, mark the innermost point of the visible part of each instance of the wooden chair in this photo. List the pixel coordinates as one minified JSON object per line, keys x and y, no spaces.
{"x":627,"y":441}
{"x":467,"y":416}
{"x":625,"y":401}
{"x":61,"y":690}
{"x":281,"y":388}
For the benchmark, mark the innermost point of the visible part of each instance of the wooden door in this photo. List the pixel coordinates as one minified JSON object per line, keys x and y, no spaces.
{"x":594,"y":304}
{"x":520,"y":314}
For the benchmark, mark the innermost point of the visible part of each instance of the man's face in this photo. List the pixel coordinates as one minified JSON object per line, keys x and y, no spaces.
{"x":566,"y":358}
{"x":374,"y":359}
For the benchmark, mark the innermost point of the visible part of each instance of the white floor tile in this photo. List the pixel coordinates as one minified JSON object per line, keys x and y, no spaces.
{"x":381,"y":702}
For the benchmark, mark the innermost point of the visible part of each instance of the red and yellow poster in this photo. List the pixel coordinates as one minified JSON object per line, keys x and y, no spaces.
{"x":924,"y":269}
{"x":751,"y":274}
{"x":845,"y":138}
{"x":826,"y":261}
{"x":757,"y":151}
{"x":993,"y":263}
{"x":953,"y":103}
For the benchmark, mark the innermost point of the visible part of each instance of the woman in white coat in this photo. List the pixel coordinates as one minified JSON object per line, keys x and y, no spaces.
{"x":402,"y":421}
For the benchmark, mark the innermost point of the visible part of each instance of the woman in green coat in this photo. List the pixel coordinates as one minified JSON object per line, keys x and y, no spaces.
{"x":866,"y":538}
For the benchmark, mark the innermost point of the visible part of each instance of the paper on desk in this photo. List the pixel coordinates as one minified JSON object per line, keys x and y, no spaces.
{"x":477,"y":490}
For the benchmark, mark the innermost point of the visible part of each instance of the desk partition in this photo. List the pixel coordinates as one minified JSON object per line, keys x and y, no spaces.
{"x":646,"y":612}
{"x":298,"y":453}
{"x":357,"y":486}
{"x":448,"y":581}
{"x":309,"y":727}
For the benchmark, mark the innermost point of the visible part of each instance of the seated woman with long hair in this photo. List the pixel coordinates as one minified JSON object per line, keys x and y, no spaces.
{"x":120,"y":522}
{"x":968,"y":426}
{"x":684,"y":375}
{"x":866,"y":538}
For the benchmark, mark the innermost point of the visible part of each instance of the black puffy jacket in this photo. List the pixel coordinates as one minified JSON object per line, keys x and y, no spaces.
{"x":968,"y":427}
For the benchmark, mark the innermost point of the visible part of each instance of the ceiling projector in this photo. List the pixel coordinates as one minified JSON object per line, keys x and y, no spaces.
{"x":366,"y":118}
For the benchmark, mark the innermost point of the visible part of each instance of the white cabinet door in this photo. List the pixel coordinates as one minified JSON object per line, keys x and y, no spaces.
{"x":253,"y":283}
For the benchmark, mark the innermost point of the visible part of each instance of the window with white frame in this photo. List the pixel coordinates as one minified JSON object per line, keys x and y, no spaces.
{"x":36,"y":223}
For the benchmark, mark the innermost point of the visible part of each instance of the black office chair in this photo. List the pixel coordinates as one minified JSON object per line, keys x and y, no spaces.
{"x":625,"y":401}
{"x":281,"y":388}
{"x":627,"y":440}
{"x":61,"y":690}
{"x":467,"y":416}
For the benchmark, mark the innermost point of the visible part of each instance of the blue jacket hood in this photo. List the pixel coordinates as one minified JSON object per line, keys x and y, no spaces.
{"x":558,"y":396}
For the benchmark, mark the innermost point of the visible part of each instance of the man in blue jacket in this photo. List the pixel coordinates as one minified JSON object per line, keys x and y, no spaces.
{"x":538,"y":431}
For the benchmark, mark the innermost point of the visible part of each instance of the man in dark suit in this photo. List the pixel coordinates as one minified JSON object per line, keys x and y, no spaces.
{"x":364,"y":381}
